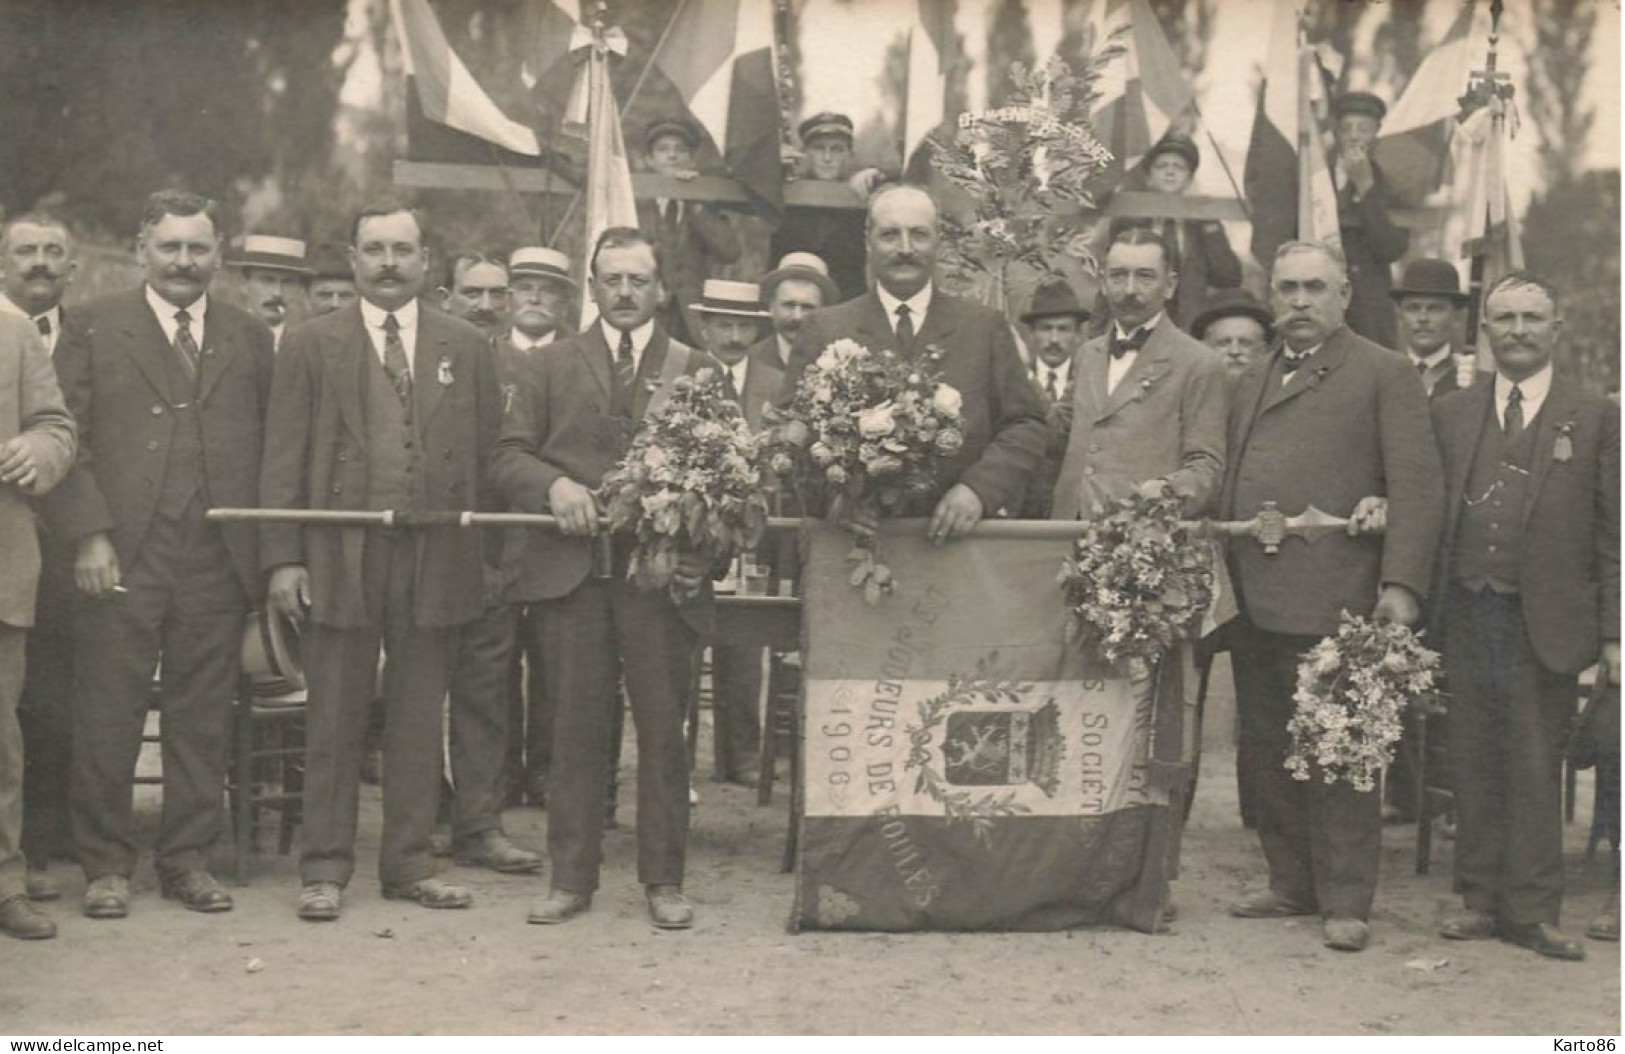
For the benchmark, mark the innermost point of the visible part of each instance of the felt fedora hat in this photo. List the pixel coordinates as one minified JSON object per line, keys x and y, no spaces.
{"x":1055,"y":299}
{"x":1232,"y":303}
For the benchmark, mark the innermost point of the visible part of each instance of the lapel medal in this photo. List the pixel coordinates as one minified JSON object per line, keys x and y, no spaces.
{"x":444,"y":375}
{"x":1563,"y":449}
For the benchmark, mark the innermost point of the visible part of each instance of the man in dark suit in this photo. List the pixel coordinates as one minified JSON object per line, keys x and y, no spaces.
{"x":480,"y":726}
{"x":1372,"y":242}
{"x":36,"y":447}
{"x":1334,"y":421}
{"x":1006,"y":433}
{"x":1198,"y":250}
{"x":1146,"y":411}
{"x":693,"y":237}
{"x":169,"y":388}
{"x":385,"y":405}
{"x":570,"y":424}
{"x":731,"y":318}
{"x":1529,"y":591}
{"x":792,"y":291}
{"x":1056,"y":320}
{"x":1430,"y":307}
{"x":37,"y":263}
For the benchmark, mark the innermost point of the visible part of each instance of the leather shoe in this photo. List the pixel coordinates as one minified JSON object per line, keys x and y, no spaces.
{"x":196,"y":890}
{"x":1345,"y":935}
{"x":431,"y":893}
{"x":319,"y":901}
{"x":668,"y":908}
{"x":107,"y":897}
{"x":1470,"y":925}
{"x":494,"y":850}
{"x":1604,"y":927}
{"x":1269,"y":905}
{"x":1545,"y":940}
{"x":20,"y":919}
{"x":40,"y":885}
{"x":560,"y":905}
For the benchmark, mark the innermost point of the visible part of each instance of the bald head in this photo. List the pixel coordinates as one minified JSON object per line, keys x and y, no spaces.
{"x":902,"y":233}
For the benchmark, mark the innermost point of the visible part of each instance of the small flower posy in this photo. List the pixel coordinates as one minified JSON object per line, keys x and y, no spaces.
{"x":863,"y":436}
{"x":1353,"y":688}
{"x":693,"y":481}
{"x":1137,"y":580}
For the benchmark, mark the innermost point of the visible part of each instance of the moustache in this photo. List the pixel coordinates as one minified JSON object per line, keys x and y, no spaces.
{"x":624,"y":303}
{"x":41,"y":272}
{"x":273,"y":301}
{"x":189,"y":273}
{"x":388,"y":273}
{"x":480,"y":317}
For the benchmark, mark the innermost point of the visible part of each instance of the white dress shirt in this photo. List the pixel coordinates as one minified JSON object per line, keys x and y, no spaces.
{"x":1286,"y":376}
{"x":918,"y":305}
{"x":52,"y":316}
{"x":164,"y":312}
{"x":784,"y":347}
{"x":640,"y":340}
{"x":526,"y":344}
{"x":1117,"y":368}
{"x":1061,"y":375}
{"x":1533,"y":388}
{"x":406,"y":316}
{"x":737,"y":373}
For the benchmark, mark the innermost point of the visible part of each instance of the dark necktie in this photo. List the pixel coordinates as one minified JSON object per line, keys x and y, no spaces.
{"x":44,"y":324}
{"x":672,"y":211}
{"x":1120,"y":346}
{"x":905,"y":329}
{"x":185,"y":343}
{"x":729,"y":388}
{"x":1512,"y":422}
{"x":400,"y":374}
{"x":1290,"y":361}
{"x":1052,"y":383}
{"x":626,"y":368}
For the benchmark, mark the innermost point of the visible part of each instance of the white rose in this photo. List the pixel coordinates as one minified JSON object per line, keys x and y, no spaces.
{"x":946,"y":399}
{"x":877,"y":421}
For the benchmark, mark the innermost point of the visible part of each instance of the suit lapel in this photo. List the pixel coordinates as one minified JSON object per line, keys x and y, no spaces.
{"x":220,"y":350}
{"x":940,"y":322}
{"x":874,"y":328}
{"x":146,"y":344}
{"x":1150,"y":362}
{"x":346,"y":364}
{"x":761,"y":385}
{"x":648,"y":378}
{"x":1468,"y":431}
{"x":432,"y":351}
{"x":1312,"y":374}
{"x":1557,"y":410}
{"x":594,"y":353}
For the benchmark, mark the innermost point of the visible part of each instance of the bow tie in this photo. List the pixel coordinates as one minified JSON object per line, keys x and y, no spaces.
{"x":1120,"y":346}
{"x":1291,"y":360}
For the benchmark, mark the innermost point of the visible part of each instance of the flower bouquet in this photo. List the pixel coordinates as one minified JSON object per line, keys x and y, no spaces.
{"x":692,"y":481}
{"x":1137,"y":580}
{"x":1352,"y":689}
{"x":864,"y":435}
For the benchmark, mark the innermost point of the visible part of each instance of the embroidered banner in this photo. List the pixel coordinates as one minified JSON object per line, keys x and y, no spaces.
{"x":964,"y":767}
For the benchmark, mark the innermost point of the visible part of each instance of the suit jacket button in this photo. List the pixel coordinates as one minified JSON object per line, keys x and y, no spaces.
{"x":343,"y":456}
{"x":1088,"y":470}
{"x":157,"y":410}
{"x":152,"y":444}
{"x":338,"y":488}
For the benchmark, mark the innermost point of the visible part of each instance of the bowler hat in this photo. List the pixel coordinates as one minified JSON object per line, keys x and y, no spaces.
{"x":1233,"y":303}
{"x":678,"y":126}
{"x":826,"y":123}
{"x":543,"y":261}
{"x":807,"y":267}
{"x":271,"y":253}
{"x":330,"y":262}
{"x":1361,"y":102}
{"x":1430,"y":277}
{"x":722,"y":297}
{"x":1175,"y":143}
{"x":1055,"y":299}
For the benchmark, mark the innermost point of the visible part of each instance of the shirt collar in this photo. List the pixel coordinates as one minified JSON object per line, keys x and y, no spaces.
{"x":9,"y":306}
{"x":918,"y":305}
{"x":640,"y":336}
{"x":165,"y":311}
{"x":406,"y":315}
{"x":524,"y":343}
{"x":784,"y":347}
{"x":1533,"y":388}
{"x":1147,"y":326}
{"x":1429,"y":361}
{"x":1287,"y":352}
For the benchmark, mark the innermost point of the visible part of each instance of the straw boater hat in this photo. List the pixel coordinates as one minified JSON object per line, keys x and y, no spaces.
{"x":807,"y":267}
{"x":1430,"y":277}
{"x":826,"y":123}
{"x":541,"y":260}
{"x":1055,"y":300}
{"x":268,"y":252}
{"x":1233,"y":303}
{"x":721,"y":297}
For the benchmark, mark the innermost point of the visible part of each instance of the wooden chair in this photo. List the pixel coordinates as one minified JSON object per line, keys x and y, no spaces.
{"x":266,"y":771}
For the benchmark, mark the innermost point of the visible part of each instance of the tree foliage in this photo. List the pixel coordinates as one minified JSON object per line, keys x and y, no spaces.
{"x":1571,"y":237}
{"x":1558,"y":65}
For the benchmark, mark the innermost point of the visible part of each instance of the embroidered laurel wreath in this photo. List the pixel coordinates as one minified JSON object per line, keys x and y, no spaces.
{"x":692,"y":481}
{"x":1353,"y":688}
{"x":1137,"y":580}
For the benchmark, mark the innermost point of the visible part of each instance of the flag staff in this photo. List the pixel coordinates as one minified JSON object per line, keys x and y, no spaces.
{"x":1306,"y":128}
{"x":1484,"y":88}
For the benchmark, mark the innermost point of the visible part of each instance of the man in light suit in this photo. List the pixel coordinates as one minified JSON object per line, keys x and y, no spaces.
{"x":169,"y":389}
{"x":385,"y":405}
{"x":1528,"y":585}
{"x":1004,"y":416}
{"x":1334,"y":421}
{"x":731,"y":318}
{"x":571,"y":422}
{"x":37,"y":444}
{"x":38,"y":262}
{"x":1147,"y":408}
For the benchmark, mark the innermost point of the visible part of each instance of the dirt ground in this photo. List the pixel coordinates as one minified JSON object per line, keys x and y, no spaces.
{"x":387,"y":968}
